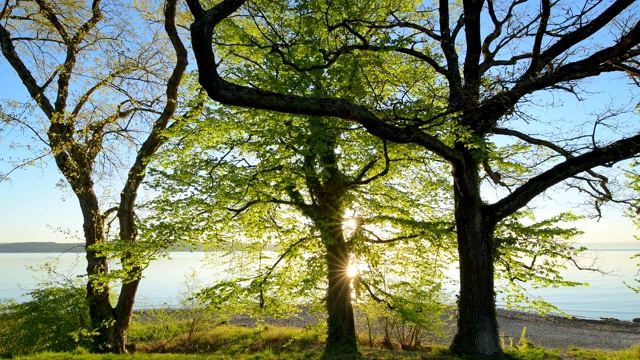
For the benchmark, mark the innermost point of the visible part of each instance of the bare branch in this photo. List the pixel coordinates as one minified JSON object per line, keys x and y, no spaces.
{"x":571,"y":39}
{"x":22,"y":165}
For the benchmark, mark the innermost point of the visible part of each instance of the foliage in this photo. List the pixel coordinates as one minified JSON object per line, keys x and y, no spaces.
{"x":218,"y":183}
{"x":633,"y":212}
{"x":378,"y":326}
{"x":189,"y":321}
{"x":55,"y":319}
{"x":471,"y":70}
{"x":635,"y":288}
{"x":160,"y":324}
{"x":259,"y":186}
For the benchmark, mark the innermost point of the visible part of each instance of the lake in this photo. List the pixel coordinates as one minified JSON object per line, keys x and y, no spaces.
{"x":165,"y":280}
{"x":606,"y":296}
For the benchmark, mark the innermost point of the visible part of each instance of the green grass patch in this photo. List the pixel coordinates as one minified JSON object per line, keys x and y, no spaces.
{"x":434,"y":353}
{"x":627,"y":354}
{"x":175,"y":335}
{"x":234,"y":340}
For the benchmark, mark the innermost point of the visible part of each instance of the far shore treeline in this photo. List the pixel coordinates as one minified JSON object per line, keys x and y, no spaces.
{"x":53,"y":247}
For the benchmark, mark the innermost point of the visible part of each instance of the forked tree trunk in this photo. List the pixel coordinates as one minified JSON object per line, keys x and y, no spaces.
{"x":110,"y":324}
{"x":341,"y":332}
{"x":477,"y":324}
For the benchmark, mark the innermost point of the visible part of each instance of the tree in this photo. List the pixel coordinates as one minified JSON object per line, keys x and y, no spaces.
{"x":252,"y":182}
{"x":491,"y":57}
{"x":633,"y":211}
{"x":95,"y":111}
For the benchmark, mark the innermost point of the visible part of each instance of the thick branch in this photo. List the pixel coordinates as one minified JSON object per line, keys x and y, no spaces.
{"x":472,"y":10}
{"x":231,"y":94}
{"x":36,"y":92}
{"x":156,"y":138}
{"x":569,"y":40}
{"x":550,"y":145}
{"x":542,"y":29}
{"x":617,"y":151}
{"x":449,"y":49}
{"x":605,"y":60}
{"x":379,"y":240}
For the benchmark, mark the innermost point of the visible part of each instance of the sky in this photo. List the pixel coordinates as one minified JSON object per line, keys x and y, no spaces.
{"x":32,"y":208}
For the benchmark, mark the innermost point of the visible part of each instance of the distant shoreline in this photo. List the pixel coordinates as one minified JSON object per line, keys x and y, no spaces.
{"x":41,"y":247}
{"x":57,"y":248}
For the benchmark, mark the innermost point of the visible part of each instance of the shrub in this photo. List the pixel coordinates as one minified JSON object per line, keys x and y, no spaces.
{"x":55,"y":319}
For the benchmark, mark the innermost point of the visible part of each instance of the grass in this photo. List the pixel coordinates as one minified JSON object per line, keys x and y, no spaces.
{"x":235,"y":340}
{"x":633,"y":353}
{"x":168,"y":337}
{"x":439,"y":353}
{"x":227,"y":342}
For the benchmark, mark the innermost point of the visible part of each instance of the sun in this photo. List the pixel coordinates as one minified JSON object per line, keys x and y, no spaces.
{"x":350,"y":224}
{"x":352,"y":271}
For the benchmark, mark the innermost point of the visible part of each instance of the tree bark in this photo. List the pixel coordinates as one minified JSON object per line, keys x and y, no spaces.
{"x":328,"y":188}
{"x":128,"y":234}
{"x":124,"y":313}
{"x":341,"y":332}
{"x":100,"y":309}
{"x":477,"y":323}
{"x":110,"y":324}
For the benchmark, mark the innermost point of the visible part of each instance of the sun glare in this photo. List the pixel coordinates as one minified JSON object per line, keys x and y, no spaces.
{"x":352,"y":271}
{"x":350,"y":224}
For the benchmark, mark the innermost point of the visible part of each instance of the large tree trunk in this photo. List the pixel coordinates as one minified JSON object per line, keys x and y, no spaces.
{"x":341,"y":333}
{"x":124,"y":313}
{"x":100,"y":309}
{"x":110,"y":323}
{"x":477,"y":324}
{"x":128,"y":234}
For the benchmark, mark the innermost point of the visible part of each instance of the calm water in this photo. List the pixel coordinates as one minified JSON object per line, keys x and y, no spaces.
{"x":165,"y":281}
{"x":606,"y":295}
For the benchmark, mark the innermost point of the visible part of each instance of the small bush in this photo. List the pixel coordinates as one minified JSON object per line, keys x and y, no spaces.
{"x":56,"y":319}
{"x":377,"y":326}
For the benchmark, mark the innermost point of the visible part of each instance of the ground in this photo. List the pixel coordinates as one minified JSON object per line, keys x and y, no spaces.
{"x":549,"y":332}
{"x":559,"y":332}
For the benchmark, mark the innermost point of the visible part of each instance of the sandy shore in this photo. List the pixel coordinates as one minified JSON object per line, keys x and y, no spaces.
{"x":559,"y":332}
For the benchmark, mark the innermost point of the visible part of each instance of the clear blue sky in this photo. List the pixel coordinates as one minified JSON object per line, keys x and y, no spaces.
{"x":31,"y":207}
